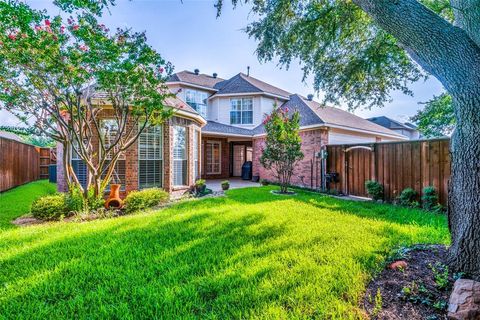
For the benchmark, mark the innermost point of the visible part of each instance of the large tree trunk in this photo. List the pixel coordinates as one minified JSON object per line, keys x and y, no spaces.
{"x":464,"y":193}
{"x":453,"y":57}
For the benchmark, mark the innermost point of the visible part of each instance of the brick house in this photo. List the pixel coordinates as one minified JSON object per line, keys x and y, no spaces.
{"x":218,"y":127}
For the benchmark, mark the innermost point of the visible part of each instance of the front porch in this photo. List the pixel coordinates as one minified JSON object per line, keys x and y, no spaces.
{"x":235,"y":183}
{"x":223,"y":157}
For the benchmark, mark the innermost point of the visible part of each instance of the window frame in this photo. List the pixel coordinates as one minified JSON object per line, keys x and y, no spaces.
{"x":184,"y":174}
{"x":162,"y":162}
{"x":219,"y":143}
{"x":200,"y":105}
{"x":238,"y":106}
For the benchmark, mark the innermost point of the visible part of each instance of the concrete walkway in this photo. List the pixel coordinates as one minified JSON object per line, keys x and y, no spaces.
{"x":235,"y":183}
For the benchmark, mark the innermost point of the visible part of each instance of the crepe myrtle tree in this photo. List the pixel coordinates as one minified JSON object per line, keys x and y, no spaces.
{"x":66,"y":76}
{"x":358,"y":51}
{"x":282,"y":145}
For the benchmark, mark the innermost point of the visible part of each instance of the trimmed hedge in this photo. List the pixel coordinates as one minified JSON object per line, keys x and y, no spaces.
{"x":147,"y":198}
{"x":53,"y":207}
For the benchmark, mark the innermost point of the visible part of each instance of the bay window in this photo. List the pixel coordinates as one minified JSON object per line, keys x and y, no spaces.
{"x":150,"y":158}
{"x":179,"y":156}
{"x":241,"y":111}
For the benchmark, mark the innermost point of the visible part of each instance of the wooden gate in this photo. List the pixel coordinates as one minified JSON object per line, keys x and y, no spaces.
{"x":396,"y":165}
{"x":359,"y":162}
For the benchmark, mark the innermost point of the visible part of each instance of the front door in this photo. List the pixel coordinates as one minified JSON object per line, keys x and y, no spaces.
{"x":238,"y":159}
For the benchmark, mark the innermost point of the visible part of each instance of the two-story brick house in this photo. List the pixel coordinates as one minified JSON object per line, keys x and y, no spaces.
{"x":234,"y":133}
{"x":218,"y":126}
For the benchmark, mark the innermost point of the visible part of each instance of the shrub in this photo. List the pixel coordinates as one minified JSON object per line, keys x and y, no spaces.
{"x":77,"y":203}
{"x":52,"y":207}
{"x":200,"y":183}
{"x":429,"y":198}
{"x":374,"y":189}
{"x":408,"y":198}
{"x":147,"y":198}
{"x":264,"y":182}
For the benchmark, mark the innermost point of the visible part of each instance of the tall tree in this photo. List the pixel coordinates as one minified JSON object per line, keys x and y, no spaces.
{"x":437,"y":119}
{"x":360,"y":50}
{"x":67,"y":76}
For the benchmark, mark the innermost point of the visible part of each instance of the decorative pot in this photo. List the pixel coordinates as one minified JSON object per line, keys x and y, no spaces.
{"x":114,"y":201}
{"x":225,"y":187}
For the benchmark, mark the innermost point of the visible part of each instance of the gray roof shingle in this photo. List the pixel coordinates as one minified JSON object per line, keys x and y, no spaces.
{"x":201,"y":79}
{"x":391,"y":124}
{"x":215,"y":127}
{"x":241,"y":83}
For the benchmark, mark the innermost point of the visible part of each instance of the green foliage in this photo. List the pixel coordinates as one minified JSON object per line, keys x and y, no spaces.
{"x":225,"y":182}
{"x":78,"y":203}
{"x":282,"y":145}
{"x":200,"y":183}
{"x":351,"y":59}
{"x":249,"y":255}
{"x":51,"y":207}
{"x":408,"y":198}
{"x":374,"y":189}
{"x":17,"y":201}
{"x":51,"y":67}
{"x":146,"y":198}
{"x":264,"y":182}
{"x":378,"y":303}
{"x":429,"y":198}
{"x":441,"y":275}
{"x":437,"y":119}
{"x":28,"y":135}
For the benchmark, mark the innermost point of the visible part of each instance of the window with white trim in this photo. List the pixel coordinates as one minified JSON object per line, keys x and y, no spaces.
{"x":109,"y":130}
{"x":213,"y":154}
{"x":241,"y":111}
{"x":197,"y":100}
{"x":150,"y":158}
{"x":196,"y":149}
{"x":180,"y":156}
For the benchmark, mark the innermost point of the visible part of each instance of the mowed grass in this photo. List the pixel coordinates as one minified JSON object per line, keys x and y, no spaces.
{"x":16,"y":202}
{"x":249,"y":255}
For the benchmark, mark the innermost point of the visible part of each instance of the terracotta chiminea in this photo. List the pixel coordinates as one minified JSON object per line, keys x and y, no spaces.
{"x":114,"y":201}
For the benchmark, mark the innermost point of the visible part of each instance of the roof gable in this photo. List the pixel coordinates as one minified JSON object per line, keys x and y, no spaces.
{"x":201,"y":79}
{"x":241,"y":83}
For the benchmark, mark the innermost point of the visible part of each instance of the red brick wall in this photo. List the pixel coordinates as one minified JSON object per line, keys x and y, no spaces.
{"x":305,"y":173}
{"x":225,"y":158}
{"x":131,"y":158}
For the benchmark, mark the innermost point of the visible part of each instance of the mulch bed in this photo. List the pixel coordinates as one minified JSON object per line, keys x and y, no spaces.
{"x":419,"y":291}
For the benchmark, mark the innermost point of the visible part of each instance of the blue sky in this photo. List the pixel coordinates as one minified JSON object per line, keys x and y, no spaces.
{"x":190,"y":36}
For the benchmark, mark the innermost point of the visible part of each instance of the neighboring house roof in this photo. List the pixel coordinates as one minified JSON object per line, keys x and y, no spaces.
{"x":220,"y":128}
{"x":241,"y":83}
{"x":200,"y":79}
{"x":313,"y":113}
{"x":10,"y":135}
{"x":392,"y":124}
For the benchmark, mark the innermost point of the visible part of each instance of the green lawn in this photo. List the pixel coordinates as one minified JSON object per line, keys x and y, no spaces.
{"x":249,"y":255}
{"x":16,"y":202}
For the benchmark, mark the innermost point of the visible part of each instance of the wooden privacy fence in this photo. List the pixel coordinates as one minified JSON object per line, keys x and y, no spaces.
{"x":396,"y":165}
{"x":21,"y":163}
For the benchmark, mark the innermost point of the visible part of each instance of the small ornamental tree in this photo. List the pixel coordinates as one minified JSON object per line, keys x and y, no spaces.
{"x":283,"y":145}
{"x":63,"y":74}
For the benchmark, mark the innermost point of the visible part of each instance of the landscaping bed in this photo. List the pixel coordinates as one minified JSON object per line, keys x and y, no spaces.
{"x":420,"y":290}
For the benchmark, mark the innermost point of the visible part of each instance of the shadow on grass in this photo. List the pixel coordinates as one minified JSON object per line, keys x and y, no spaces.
{"x":241,"y":256}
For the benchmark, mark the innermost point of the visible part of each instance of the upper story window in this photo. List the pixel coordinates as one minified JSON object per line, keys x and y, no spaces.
{"x":241,"y":111}
{"x":197,"y":100}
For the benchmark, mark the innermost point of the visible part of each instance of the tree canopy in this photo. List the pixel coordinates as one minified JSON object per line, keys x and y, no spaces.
{"x":437,"y":118}
{"x":61,"y":73}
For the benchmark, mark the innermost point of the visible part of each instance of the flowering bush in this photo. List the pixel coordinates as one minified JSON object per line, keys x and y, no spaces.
{"x":283,"y":144}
